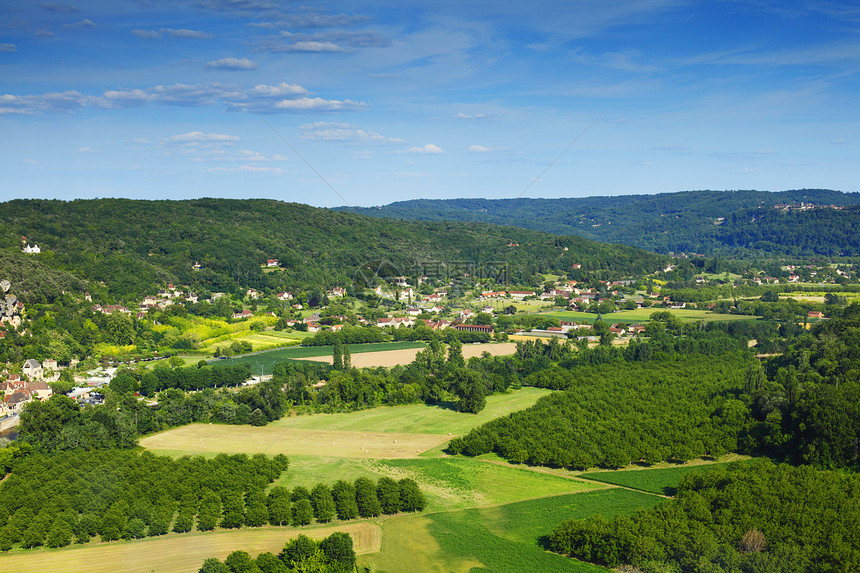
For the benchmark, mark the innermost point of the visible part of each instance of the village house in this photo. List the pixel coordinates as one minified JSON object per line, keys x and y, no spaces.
{"x":815,"y":314}
{"x":32,"y":369}
{"x":252,"y":294}
{"x":285,"y":295}
{"x":243,"y":314}
{"x":521,"y":294}
{"x":272,"y":263}
{"x":493,"y":294}
{"x":337,"y":292}
{"x":34,"y":250}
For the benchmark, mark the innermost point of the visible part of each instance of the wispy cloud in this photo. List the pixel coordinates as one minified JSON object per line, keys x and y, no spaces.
{"x":85,"y":23}
{"x":462,"y":115}
{"x":329,"y":131}
{"x":29,"y":161}
{"x":198,"y":137}
{"x":262,"y":98}
{"x":8,"y":48}
{"x":232,"y":64}
{"x":429,"y":148}
{"x":171,"y":33}
{"x":60,"y":8}
{"x":479,"y":149}
{"x":306,"y":47}
{"x":54,"y":102}
{"x":43,"y":33}
{"x":248,"y":169}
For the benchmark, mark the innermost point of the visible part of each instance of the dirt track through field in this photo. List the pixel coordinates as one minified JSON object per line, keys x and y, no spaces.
{"x":389,"y":358}
{"x":178,"y":553}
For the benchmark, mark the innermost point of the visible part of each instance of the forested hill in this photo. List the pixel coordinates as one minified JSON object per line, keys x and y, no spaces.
{"x":705,"y":222}
{"x":134,"y":247}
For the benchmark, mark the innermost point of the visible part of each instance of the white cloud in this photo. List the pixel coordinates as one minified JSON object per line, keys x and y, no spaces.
{"x":317,"y":104}
{"x":199,"y":137}
{"x":471,"y":116}
{"x":43,"y":33}
{"x":429,"y":148}
{"x":8,"y":48}
{"x":171,"y":33}
{"x":232,"y":64}
{"x":329,"y":131}
{"x":54,"y":102}
{"x":85,"y":149}
{"x":478,"y":149}
{"x":85,"y":23}
{"x":248,"y":169}
{"x":282,"y":89}
{"x":318,"y":47}
{"x":261,"y":98}
{"x":181,"y":33}
{"x":29,"y":161}
{"x":59,"y":8}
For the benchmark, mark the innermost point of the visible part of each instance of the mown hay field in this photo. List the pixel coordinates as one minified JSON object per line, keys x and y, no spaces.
{"x":177,"y":553}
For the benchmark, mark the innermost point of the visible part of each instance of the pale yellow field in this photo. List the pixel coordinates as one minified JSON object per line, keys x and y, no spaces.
{"x":389,"y":358}
{"x":272,"y":440}
{"x":177,"y":553}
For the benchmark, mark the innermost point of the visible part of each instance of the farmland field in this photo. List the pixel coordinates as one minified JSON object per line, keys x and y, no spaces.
{"x":267,"y":360}
{"x":177,"y":553}
{"x":642,"y":315}
{"x":197,"y":439}
{"x":417,"y":418}
{"x":385,"y":432}
{"x":661,"y":481}
{"x":388,"y":357}
{"x":501,"y":538}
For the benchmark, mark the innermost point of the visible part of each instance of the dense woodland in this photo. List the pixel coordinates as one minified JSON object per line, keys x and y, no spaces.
{"x":131,"y":246}
{"x":621,"y":412}
{"x":758,"y":517}
{"x":669,"y":222}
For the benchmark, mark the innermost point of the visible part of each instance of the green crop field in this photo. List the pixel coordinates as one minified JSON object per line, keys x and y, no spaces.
{"x":417,"y":418}
{"x":661,"y":481}
{"x":643,"y":315}
{"x":500,"y":538}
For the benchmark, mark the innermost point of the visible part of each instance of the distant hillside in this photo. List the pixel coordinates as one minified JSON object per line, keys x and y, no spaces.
{"x":705,"y":222}
{"x":128,"y":248}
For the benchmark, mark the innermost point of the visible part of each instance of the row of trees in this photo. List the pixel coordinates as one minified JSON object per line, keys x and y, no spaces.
{"x":334,"y":554}
{"x":54,"y":498}
{"x":755,"y":517}
{"x":60,"y":423}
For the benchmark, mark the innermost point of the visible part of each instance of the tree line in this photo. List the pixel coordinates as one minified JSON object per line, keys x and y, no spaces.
{"x":334,"y":554}
{"x":60,"y":423}
{"x":755,"y":517}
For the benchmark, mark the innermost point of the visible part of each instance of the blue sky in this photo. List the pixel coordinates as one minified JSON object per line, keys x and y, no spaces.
{"x":365,"y":103}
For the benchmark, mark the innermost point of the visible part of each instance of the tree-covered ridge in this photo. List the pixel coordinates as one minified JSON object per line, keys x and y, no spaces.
{"x":690,"y":221}
{"x":134,"y":247}
{"x":621,"y":412}
{"x":744,"y":518}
